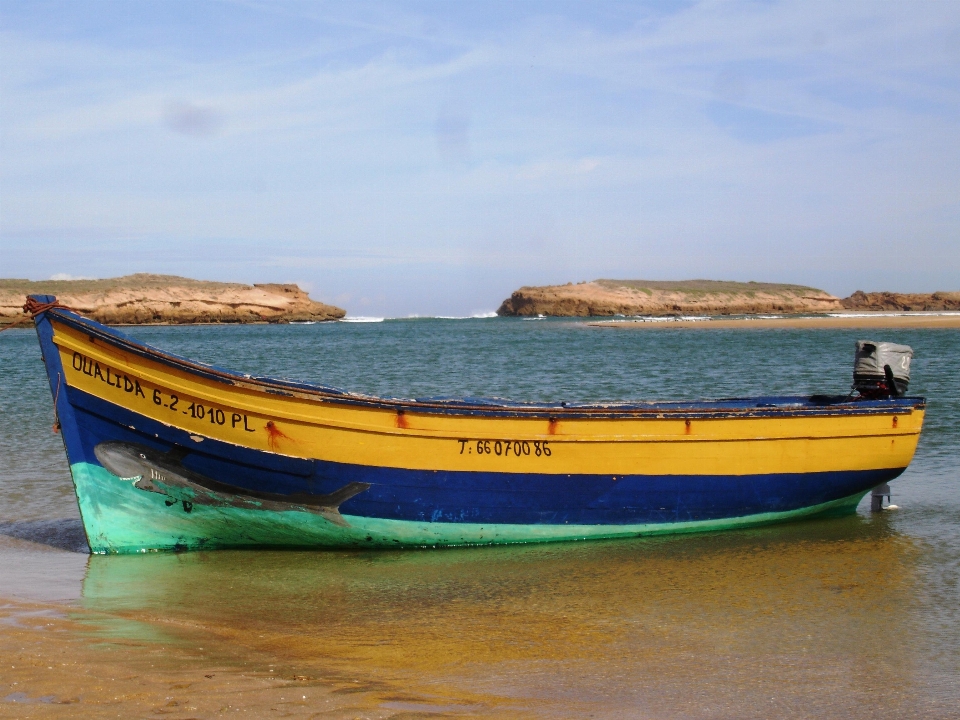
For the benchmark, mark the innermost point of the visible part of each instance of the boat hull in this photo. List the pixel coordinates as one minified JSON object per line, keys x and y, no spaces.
{"x":170,"y":454}
{"x":121,"y":520}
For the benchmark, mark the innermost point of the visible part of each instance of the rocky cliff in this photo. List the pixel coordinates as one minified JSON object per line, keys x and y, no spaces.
{"x":902,"y":301}
{"x":657,"y":297}
{"x":169,"y":300}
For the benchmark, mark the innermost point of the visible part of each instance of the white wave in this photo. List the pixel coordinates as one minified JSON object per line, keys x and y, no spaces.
{"x":361,"y":319}
{"x":436,"y":317}
{"x":475,"y":316}
{"x":303,"y":322}
{"x":666,"y":319}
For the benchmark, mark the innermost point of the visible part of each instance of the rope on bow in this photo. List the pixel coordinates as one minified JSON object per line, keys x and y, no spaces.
{"x":56,"y":401}
{"x":32,"y":308}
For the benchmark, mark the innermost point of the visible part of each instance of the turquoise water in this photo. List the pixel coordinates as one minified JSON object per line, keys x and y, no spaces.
{"x":856,"y":616}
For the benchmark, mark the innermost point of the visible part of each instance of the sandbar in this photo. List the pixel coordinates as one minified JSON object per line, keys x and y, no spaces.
{"x":817,"y":322}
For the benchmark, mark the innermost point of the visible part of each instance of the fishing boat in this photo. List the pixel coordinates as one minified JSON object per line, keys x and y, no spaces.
{"x":172,"y":454}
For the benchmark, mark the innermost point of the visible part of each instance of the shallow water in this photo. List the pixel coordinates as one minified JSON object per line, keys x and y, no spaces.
{"x":856,"y":616}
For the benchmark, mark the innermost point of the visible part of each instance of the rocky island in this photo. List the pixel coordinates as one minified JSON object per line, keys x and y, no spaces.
{"x":146,"y":299}
{"x":706,"y":297}
{"x":907,"y":302}
{"x":659,"y":297}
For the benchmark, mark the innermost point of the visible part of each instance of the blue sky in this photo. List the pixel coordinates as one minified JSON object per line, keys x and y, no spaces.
{"x":428,"y":158}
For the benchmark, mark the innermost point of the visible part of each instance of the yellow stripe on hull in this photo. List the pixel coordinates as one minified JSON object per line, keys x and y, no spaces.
{"x":305,"y":425}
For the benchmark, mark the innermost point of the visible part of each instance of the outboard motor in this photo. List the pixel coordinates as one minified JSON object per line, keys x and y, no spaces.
{"x":881,"y":370}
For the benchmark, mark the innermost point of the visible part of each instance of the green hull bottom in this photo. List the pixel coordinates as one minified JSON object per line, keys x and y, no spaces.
{"x":119,"y":518}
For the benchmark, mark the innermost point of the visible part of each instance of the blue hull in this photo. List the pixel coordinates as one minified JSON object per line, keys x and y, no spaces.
{"x":501,"y":498}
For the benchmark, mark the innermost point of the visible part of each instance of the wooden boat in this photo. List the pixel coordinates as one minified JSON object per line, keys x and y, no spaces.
{"x":170,"y":454}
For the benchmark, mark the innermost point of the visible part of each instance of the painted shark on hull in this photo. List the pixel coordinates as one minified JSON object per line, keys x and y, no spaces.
{"x":164,"y":474}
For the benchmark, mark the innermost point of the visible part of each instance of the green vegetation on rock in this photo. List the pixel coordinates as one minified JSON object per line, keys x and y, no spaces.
{"x":701,"y":287}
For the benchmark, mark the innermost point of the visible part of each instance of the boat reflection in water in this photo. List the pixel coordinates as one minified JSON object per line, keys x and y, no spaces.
{"x":817,"y":619}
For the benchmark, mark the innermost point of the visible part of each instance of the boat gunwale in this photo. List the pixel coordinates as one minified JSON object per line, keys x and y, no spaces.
{"x":788,"y":406}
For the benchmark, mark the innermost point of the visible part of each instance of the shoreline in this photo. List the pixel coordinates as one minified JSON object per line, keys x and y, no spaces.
{"x":816,"y":322}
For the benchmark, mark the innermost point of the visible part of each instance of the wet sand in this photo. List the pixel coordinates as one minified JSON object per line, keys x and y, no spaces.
{"x":807,"y":620}
{"x":58,"y":664}
{"x":803,"y":323}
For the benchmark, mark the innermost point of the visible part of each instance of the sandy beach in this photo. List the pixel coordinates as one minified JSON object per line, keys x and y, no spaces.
{"x":528,"y":632}
{"x":914,"y":320}
{"x":53,"y":670}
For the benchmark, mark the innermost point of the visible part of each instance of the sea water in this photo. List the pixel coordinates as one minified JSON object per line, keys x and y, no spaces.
{"x":857,"y":616}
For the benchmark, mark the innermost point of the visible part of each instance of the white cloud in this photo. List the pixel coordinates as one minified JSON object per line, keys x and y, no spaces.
{"x":68,"y":276}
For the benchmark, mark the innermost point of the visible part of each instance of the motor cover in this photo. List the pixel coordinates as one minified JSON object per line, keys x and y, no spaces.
{"x":870,"y":363}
